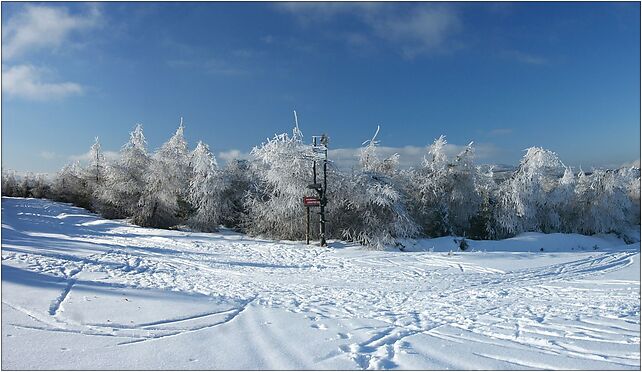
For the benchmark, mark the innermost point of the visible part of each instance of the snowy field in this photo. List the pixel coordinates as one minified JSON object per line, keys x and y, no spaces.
{"x":81,"y":292}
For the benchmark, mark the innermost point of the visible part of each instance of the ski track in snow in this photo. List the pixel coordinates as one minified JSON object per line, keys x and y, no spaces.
{"x":553,"y":310}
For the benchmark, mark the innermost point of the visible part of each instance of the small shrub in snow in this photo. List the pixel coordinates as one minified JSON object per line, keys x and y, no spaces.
{"x":463,"y":244}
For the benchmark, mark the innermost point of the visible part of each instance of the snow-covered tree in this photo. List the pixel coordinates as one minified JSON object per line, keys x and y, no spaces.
{"x":118,"y":195}
{"x":283,"y":169}
{"x":237,"y":179}
{"x":630,"y":177}
{"x":69,"y":186}
{"x":525,"y":202}
{"x":9,"y":183}
{"x":602,"y":203}
{"x":482,"y":224}
{"x":205,"y":190}
{"x":464,"y":200}
{"x":376,"y":207}
{"x":429,"y":186}
{"x":95,"y":171}
{"x":39,"y":186}
{"x":163,"y":202}
{"x":446,"y":192}
{"x":562,"y":199}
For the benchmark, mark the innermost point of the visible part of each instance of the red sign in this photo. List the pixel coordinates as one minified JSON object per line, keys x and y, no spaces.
{"x":311,"y":201}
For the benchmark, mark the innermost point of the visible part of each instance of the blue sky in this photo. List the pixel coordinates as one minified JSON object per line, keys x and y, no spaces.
{"x":564,"y":76}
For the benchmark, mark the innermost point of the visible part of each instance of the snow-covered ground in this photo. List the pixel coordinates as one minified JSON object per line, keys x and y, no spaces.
{"x":79,"y":291}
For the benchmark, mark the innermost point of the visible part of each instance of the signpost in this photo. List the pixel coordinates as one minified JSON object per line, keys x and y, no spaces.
{"x":311,"y":201}
{"x":321,"y":200}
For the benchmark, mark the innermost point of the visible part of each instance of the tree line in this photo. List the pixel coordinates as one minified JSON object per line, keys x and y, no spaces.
{"x":376,"y":204}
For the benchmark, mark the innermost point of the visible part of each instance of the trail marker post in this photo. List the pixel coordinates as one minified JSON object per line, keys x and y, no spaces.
{"x":307,"y":225}
{"x":321,"y":201}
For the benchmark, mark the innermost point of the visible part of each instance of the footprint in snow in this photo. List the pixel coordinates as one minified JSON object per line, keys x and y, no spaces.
{"x":320,"y":326}
{"x":344,"y":348}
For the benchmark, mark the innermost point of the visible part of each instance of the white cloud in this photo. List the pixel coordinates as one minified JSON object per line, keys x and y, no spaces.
{"x":109,"y":155}
{"x":409,"y":156}
{"x":634,"y":163}
{"x":421,"y":31}
{"x":526,"y":58}
{"x":48,"y":155}
{"x":44,"y":27}
{"x":310,"y":12}
{"x":233,"y":154}
{"x":27,"y":82}
{"x":413,"y":31}
{"x":213,"y":66}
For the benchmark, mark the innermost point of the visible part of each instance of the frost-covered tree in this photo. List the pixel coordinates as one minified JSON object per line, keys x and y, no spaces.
{"x":9,"y":183}
{"x":237,"y":179}
{"x":446,"y":193}
{"x":205,"y":190}
{"x":482,"y":224}
{"x":630,"y":178}
{"x":283,"y":169}
{"x":464,"y":200}
{"x":376,"y":208}
{"x":562,"y":199}
{"x":39,"y":186}
{"x":118,"y":195}
{"x":602,"y":203}
{"x":163,"y":202}
{"x":95,"y":171}
{"x":430,"y":182}
{"x":28,"y":185}
{"x":525,"y":202}
{"x":69,"y":186}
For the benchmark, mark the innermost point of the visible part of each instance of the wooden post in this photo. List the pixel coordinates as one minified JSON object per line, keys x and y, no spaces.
{"x":307,"y":225}
{"x":322,"y":243}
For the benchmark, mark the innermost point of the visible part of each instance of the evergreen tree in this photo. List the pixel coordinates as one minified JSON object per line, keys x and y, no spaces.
{"x":118,"y":195}
{"x":163,"y":202}
{"x":206,"y":190}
